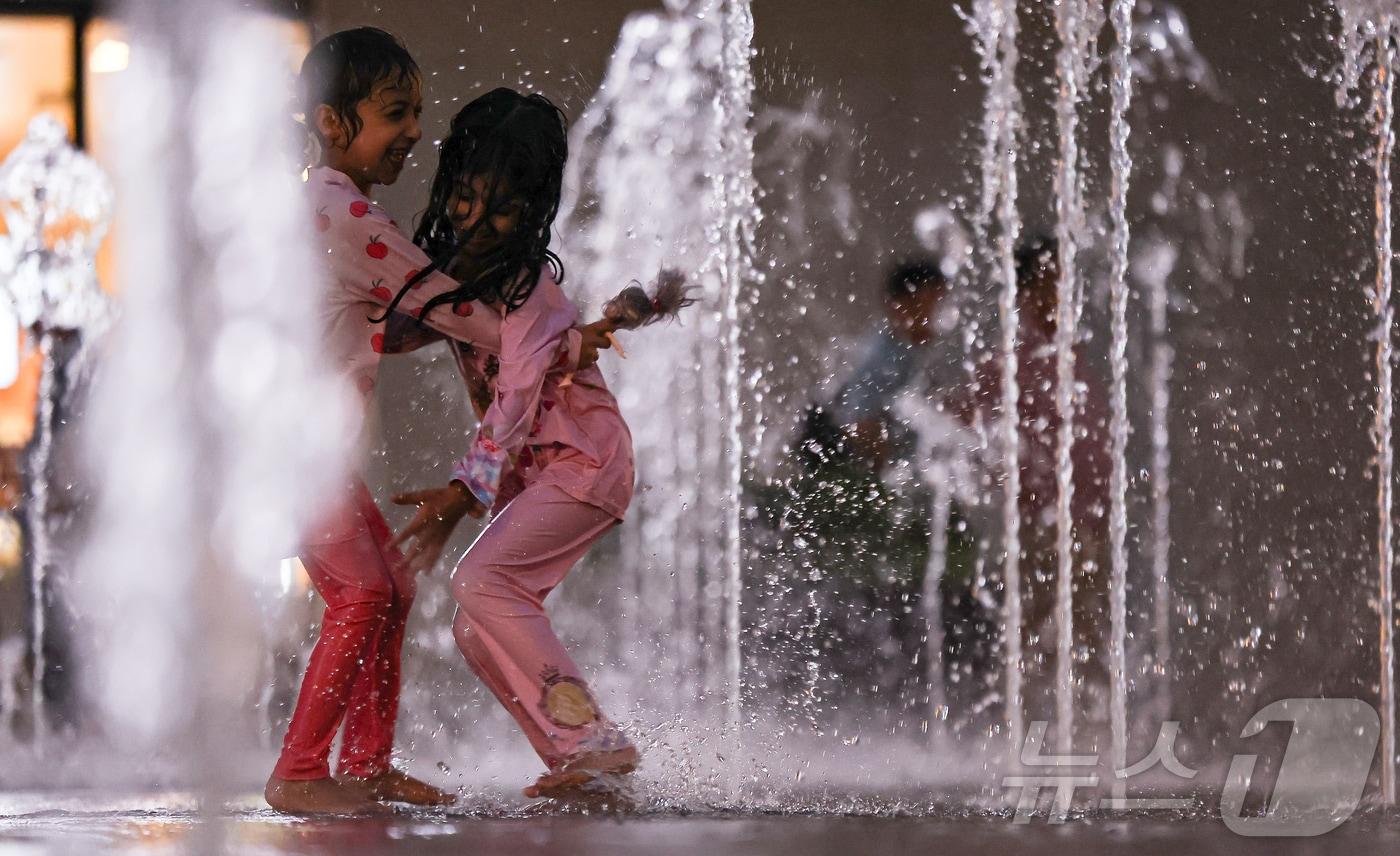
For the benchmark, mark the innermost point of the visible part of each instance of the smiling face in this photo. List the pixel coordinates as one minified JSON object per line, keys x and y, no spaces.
{"x":388,"y":120}
{"x":487,"y":216}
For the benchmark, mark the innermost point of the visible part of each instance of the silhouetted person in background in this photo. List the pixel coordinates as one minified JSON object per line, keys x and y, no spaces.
{"x":855,"y":511}
{"x":1037,"y":266}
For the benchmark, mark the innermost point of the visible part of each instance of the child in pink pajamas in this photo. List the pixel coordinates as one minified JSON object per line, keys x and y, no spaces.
{"x":494,"y":198}
{"x":362,"y":98}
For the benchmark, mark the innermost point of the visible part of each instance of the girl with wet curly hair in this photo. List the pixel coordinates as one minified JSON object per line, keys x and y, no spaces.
{"x":552,"y":455}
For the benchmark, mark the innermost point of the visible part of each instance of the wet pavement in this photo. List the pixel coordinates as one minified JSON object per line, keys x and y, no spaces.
{"x":36,"y":824}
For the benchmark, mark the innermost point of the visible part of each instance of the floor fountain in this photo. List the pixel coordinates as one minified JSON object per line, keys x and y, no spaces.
{"x":662,"y":175}
{"x":56,"y":205}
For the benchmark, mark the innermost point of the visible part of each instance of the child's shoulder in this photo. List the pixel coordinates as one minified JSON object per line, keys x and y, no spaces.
{"x":338,"y":202}
{"x":547,"y":298}
{"x":547,"y":289}
{"x":324,"y":181}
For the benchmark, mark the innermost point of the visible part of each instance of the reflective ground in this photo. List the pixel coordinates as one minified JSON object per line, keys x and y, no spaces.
{"x":166,"y":823}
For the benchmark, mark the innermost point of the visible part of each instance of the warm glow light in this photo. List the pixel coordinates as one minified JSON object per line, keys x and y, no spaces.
{"x":9,"y":346}
{"x":36,"y":73}
{"x":11,"y":543}
{"x":294,"y":577}
{"x":109,"y":57}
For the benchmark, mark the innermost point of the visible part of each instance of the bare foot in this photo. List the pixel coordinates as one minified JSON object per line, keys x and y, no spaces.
{"x":397,"y":786}
{"x":582,"y":769}
{"x":317,"y":796}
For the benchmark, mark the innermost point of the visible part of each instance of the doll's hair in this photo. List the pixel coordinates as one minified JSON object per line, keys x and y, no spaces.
{"x":343,"y":68}
{"x":633,"y":307}
{"x":517,"y":144}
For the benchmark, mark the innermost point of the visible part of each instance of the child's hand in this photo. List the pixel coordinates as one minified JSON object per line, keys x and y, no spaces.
{"x":439,"y":511}
{"x":595,"y":339}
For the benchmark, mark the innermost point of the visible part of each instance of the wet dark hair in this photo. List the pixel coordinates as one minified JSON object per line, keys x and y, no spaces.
{"x":343,"y":68}
{"x":518,"y":143}
{"x":1033,"y":254}
{"x":914,"y":275}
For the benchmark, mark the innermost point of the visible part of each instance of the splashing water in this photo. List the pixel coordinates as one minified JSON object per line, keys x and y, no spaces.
{"x":57,"y":205}
{"x":1368,"y":34}
{"x":1077,"y":23}
{"x":1188,"y":249}
{"x":995,"y":27}
{"x":672,"y":116}
{"x":738,"y":199}
{"x":214,"y":424}
{"x":798,"y":180}
{"x":668,"y":127}
{"x":1122,"y":164}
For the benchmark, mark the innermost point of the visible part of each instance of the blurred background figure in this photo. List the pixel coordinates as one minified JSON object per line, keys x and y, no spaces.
{"x":853,"y":513}
{"x":1037,"y":270}
{"x":909,"y":348}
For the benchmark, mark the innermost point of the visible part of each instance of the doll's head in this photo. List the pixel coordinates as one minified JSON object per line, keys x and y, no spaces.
{"x":633,"y":307}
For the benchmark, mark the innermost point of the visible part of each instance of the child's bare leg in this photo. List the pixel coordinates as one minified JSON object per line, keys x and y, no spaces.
{"x":317,"y":796}
{"x":397,"y":786}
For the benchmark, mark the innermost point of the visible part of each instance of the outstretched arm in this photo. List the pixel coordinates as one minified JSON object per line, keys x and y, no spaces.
{"x":440,"y":509}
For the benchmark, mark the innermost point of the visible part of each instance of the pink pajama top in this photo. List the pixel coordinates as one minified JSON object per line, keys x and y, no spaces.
{"x":549,"y":427}
{"x":367,"y":260}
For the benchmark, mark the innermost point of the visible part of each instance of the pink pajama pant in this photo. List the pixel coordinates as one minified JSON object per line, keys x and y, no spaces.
{"x":353,"y":673}
{"x":503,"y":631}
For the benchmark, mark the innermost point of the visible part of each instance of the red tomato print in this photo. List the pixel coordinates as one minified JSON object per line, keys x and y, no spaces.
{"x":359,"y":208}
{"x":377,"y":343}
{"x":463,"y":309}
{"x":379,"y":292}
{"x":410,"y":275}
{"x":376,"y":248}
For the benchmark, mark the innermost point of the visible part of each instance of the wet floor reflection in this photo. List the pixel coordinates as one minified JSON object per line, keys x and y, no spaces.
{"x":169,"y":823}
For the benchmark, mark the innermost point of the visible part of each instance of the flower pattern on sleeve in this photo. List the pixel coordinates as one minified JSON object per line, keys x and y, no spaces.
{"x":481,"y":469}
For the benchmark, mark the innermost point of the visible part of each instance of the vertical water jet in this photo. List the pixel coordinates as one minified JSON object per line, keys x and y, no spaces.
{"x":738,"y":204}
{"x":1121,"y":87}
{"x":216,"y":426}
{"x":996,"y":27}
{"x":1371,"y":24}
{"x":1383,"y":107}
{"x":1077,"y":24}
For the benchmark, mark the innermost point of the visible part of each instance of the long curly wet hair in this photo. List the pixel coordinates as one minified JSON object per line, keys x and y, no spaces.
{"x":517,"y":144}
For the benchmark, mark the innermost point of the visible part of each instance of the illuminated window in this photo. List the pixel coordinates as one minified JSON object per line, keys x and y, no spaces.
{"x":39,"y":73}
